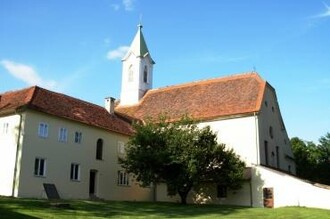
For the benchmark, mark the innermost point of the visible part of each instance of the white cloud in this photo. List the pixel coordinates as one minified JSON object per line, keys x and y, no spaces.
{"x":323,"y":14}
{"x":128,"y":5}
{"x":26,"y":74}
{"x":117,"y":53}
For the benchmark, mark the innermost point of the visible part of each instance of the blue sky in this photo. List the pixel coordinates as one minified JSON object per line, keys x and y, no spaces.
{"x":74,"y":47}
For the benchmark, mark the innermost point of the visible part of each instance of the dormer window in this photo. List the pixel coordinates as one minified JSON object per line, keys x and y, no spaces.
{"x":145,"y":74}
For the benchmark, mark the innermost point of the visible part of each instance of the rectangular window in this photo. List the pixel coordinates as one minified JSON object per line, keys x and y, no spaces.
{"x":266,"y":152}
{"x":99,"y":149}
{"x":63,"y":135}
{"x":40,"y":167}
{"x":43,"y":130}
{"x":77,"y":137}
{"x":5,"y":127}
{"x":121,"y":147}
{"x":221,"y":191}
{"x":277,"y":156}
{"x":123,"y":178}
{"x":75,"y":172}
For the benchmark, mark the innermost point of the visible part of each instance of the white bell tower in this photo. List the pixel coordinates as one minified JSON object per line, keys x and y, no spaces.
{"x":137,"y":71}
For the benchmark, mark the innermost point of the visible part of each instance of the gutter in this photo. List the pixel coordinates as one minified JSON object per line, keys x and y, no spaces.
{"x":17,"y":153}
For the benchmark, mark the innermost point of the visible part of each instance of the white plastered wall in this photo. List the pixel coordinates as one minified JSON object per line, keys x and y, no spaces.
{"x":241,"y":134}
{"x":8,"y":149}
{"x":288,"y":190}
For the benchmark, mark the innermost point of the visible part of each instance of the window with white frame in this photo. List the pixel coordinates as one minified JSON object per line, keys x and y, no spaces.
{"x":123,"y":178}
{"x":75,"y":172}
{"x":77,"y":137}
{"x":5,"y":127}
{"x":62,"y":135}
{"x":43,"y":130}
{"x":121,"y":147}
{"x":40,"y":167}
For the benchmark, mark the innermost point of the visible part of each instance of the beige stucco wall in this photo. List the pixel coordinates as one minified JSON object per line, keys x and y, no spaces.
{"x":207,"y":194}
{"x":8,"y":148}
{"x":270,"y":116}
{"x":59,"y":157}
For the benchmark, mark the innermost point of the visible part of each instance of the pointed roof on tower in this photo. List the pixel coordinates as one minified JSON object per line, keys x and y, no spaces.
{"x":138,"y":47}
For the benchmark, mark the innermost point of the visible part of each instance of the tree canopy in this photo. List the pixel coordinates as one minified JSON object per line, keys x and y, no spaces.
{"x":181,"y":155}
{"x":312,"y":160}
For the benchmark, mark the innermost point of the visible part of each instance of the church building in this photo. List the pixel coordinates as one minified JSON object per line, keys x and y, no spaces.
{"x":48,"y":138}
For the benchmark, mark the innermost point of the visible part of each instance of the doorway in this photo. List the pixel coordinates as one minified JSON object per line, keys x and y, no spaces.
{"x":92,"y":182}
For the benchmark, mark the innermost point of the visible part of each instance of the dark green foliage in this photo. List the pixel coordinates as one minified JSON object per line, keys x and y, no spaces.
{"x":313,"y":161}
{"x":180,"y":155}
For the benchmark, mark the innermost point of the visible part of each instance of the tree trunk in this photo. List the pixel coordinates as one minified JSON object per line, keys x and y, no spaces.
{"x":183,"y":192}
{"x":183,"y":196}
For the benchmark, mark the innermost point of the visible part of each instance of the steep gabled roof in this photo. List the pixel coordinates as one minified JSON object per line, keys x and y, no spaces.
{"x":60,"y":105}
{"x":138,"y":47}
{"x":203,"y":100}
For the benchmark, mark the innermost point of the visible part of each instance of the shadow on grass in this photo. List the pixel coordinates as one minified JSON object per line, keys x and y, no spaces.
{"x":11,"y":208}
{"x":22,"y":208}
{"x":147,"y":209}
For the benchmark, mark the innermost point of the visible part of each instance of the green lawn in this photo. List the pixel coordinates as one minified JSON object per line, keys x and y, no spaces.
{"x":32,"y":208}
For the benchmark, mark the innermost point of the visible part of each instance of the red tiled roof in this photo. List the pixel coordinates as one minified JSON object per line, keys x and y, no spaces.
{"x":64,"y":106}
{"x":202,"y":100}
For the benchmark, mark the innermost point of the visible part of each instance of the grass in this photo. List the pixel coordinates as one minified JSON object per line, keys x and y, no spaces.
{"x":33,"y":208}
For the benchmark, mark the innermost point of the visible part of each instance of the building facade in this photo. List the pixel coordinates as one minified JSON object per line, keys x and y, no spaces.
{"x":50,"y":138}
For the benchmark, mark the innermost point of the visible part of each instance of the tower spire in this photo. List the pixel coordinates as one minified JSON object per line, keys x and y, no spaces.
{"x":137,"y":70}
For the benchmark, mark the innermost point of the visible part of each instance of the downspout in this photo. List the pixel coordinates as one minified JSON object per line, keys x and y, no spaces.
{"x":17,"y":153}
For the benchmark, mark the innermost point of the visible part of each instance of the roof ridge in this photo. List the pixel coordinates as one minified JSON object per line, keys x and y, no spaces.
{"x":209,"y":80}
{"x":68,"y":96}
{"x":18,"y":90}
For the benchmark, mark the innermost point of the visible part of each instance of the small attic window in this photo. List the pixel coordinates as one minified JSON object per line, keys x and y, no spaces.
{"x":271,"y":134}
{"x":266,"y":103}
{"x":273,"y":109}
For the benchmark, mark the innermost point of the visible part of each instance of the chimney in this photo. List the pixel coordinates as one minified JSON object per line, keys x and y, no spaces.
{"x":110,"y":104}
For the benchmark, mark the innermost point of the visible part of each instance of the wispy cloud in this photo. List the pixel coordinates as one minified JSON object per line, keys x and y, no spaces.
{"x":117,"y":53}
{"x":323,"y":14}
{"x":128,"y":5}
{"x":26,"y":73}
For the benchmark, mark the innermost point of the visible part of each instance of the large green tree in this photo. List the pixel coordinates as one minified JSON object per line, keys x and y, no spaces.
{"x":312,"y":160}
{"x":181,"y":155}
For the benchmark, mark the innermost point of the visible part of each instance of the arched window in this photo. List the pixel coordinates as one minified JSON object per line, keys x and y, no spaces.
{"x":145,"y":74}
{"x":99,"y":149}
{"x":130,"y":74}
